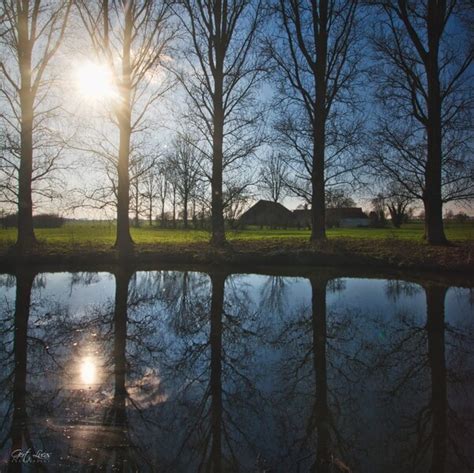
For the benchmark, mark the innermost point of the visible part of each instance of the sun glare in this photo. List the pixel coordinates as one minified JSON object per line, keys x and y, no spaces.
{"x":94,"y":81}
{"x":88,"y":371}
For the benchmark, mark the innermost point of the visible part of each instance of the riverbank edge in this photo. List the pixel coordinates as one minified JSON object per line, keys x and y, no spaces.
{"x":378,"y":254}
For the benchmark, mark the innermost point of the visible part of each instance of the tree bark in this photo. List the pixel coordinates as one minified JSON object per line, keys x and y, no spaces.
{"x":185,"y":211}
{"x":150,"y":213}
{"x":217,"y":218}
{"x":162,"y":223}
{"x":174,"y":207}
{"x":434,"y":230}
{"x":124,"y":242}
{"x":137,"y":205}
{"x":26,"y":235}
{"x":318,"y":205}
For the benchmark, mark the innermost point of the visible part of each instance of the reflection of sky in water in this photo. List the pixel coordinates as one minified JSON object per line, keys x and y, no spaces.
{"x":365,"y":317}
{"x":368,"y":295}
{"x":7,"y":290}
{"x":77,"y":291}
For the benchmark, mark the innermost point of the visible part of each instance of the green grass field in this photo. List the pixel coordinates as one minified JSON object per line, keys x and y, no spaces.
{"x":103,"y":233}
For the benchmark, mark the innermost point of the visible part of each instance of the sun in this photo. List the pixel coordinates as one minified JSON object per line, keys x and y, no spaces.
{"x":95,"y":82}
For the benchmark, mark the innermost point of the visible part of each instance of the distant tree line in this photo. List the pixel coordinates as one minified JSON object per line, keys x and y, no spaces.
{"x":39,"y":221}
{"x":323,"y":101}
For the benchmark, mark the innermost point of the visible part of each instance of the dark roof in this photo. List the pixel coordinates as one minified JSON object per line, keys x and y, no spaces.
{"x":265,"y":212}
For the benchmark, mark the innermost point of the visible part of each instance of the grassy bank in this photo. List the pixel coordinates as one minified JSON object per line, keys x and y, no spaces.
{"x":104,"y":234}
{"x":369,"y":248}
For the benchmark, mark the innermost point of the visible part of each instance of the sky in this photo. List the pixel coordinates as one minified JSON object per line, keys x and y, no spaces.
{"x":85,"y":92}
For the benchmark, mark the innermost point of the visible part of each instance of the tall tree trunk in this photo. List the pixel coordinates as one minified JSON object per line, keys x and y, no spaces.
{"x":217,"y":207}
{"x":124,"y":241}
{"x":26,"y":235}
{"x":217,"y":304}
{"x":150,"y":211}
{"x":24,"y":283}
{"x":174,"y":207}
{"x":318,"y":219}
{"x":318,"y":288}
{"x":162,"y":223}
{"x":194,"y":214}
{"x":435,"y":296}
{"x":185,"y":210}
{"x":137,"y":205}
{"x":217,"y":218}
{"x":434,"y":230}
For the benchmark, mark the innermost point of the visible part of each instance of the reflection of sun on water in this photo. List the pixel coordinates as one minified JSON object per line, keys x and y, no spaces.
{"x":88,"y":370}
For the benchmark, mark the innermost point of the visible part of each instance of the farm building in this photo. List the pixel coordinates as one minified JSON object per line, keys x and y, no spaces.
{"x":338,"y":217}
{"x":346,"y":217}
{"x":302,"y":218}
{"x":271,"y":214}
{"x":267,"y":213}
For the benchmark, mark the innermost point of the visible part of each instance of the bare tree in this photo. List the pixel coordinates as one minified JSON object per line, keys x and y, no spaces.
{"x":222,"y":71}
{"x":143,"y":170}
{"x":151,"y":190}
{"x":185,"y":163}
{"x":338,"y":198}
{"x":132,"y":37}
{"x":236,"y":199}
{"x":163,"y":191}
{"x":398,"y":154}
{"x":425,"y":88}
{"x":273,"y":177}
{"x":31,"y":33}
{"x":313,"y":50}
{"x":378,"y":212}
{"x":397,"y":201}
{"x":46,"y":182}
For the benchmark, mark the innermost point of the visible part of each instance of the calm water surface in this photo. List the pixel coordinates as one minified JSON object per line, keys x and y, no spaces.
{"x":167,"y":371}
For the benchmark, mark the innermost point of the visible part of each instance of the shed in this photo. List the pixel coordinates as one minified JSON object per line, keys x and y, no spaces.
{"x":302,"y":218}
{"x":267,"y":213}
{"x":335,"y":217}
{"x":346,"y":217}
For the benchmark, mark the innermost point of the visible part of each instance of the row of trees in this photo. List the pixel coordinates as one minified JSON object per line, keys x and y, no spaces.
{"x":319,"y":58}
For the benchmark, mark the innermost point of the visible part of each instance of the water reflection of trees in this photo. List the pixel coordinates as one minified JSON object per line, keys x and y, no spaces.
{"x":116,"y":439}
{"x":274,"y":294}
{"x":48,"y":407}
{"x":311,"y":396}
{"x":213,"y":405}
{"x":427,"y":374}
{"x":197,"y":376}
{"x":396,"y":288}
{"x":25,"y":356}
{"x":19,"y":432}
{"x":349,"y":378}
{"x":173,"y":357}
